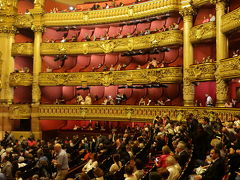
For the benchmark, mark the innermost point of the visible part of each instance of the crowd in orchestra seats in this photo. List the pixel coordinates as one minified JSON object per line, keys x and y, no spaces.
{"x":164,"y":149}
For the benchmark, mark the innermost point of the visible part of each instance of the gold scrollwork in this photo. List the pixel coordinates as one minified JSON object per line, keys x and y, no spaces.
{"x":22,"y":49}
{"x":231,"y":21}
{"x":20,"y":79}
{"x":203,"y":32}
{"x":229,"y":68}
{"x":20,"y":111}
{"x":143,"y":76}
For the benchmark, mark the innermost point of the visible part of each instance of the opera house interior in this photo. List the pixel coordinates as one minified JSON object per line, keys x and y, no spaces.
{"x":125,"y":89}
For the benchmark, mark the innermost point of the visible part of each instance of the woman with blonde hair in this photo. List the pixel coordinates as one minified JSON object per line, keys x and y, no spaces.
{"x":173,"y":167}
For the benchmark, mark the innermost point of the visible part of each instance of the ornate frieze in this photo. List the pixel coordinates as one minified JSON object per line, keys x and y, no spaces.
{"x":20,"y":111}
{"x":133,"y":113}
{"x":143,"y":76}
{"x":198,"y":3}
{"x":166,"y":38}
{"x":23,"y":21}
{"x":124,"y":13}
{"x":229,"y":68}
{"x":203,"y":32}
{"x":231,"y":21}
{"x":23,"y":49}
{"x":202,"y":72}
{"x":20,"y":79}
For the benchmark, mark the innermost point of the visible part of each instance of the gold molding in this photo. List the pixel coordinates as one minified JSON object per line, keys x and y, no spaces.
{"x":202,"y":72}
{"x":229,"y":68}
{"x":124,"y":13}
{"x":198,"y":3}
{"x":166,"y":38}
{"x":231,"y":21}
{"x":20,"y":79}
{"x":203,"y":32}
{"x":120,"y":112}
{"x":129,"y":77}
{"x":20,"y":111}
{"x":23,"y":49}
{"x":23,"y":21}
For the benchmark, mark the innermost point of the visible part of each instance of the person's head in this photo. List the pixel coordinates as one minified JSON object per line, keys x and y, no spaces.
{"x":206,"y":95}
{"x":139,"y":164}
{"x":180,"y":147}
{"x":83,"y":176}
{"x":57,"y":147}
{"x":214,"y":154}
{"x":166,"y":150}
{"x":205,"y":120}
{"x":35,"y":177}
{"x":116,"y":158}
{"x":129,"y":170}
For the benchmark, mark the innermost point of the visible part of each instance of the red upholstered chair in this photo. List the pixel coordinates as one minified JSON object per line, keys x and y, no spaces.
{"x":128,"y":29}
{"x":142,"y":27}
{"x":83,"y":62}
{"x":99,"y":32}
{"x":83,"y":33}
{"x":157,"y":24}
{"x":114,"y":31}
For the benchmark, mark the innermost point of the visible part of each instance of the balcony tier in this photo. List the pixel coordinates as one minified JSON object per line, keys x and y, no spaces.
{"x":229,"y":68}
{"x":230,"y":21}
{"x":202,"y":72}
{"x":203,"y":32}
{"x":167,"y":38}
{"x":118,"y":112}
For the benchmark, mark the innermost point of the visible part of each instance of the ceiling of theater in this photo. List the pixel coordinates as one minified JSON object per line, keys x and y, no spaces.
{"x":74,"y":2}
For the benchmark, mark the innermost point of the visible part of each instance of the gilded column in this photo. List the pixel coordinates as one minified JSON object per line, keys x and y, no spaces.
{"x":7,"y":32}
{"x":222,"y":53}
{"x":187,"y":12}
{"x":38,"y":28}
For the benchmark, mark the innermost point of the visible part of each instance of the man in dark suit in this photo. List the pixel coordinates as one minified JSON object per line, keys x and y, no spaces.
{"x":216,"y":169}
{"x":182,"y":155}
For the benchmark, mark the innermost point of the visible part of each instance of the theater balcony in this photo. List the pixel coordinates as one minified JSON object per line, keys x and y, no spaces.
{"x":167,"y":38}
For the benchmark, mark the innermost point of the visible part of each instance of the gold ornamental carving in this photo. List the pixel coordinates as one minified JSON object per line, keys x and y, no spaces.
{"x":231,"y":21}
{"x":23,"y":21}
{"x":20,"y":111}
{"x":25,"y":49}
{"x":198,"y":3}
{"x":124,"y":13}
{"x":37,"y":28}
{"x":187,"y":10}
{"x":168,"y":38}
{"x":229,"y":68}
{"x":143,"y":76}
{"x":20,"y":79}
{"x":202,"y":72}
{"x":203,"y":32}
{"x":133,"y":113}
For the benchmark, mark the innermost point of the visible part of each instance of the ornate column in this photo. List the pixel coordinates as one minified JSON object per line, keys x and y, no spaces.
{"x":222,"y":53}
{"x":38,"y":28}
{"x":187,"y":12}
{"x":7,"y":32}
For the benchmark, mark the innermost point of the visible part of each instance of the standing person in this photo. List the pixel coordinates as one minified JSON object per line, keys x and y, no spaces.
{"x":209,"y":100}
{"x":61,"y":162}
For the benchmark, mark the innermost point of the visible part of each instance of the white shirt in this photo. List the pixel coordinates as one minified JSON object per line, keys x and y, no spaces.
{"x":90,"y":165}
{"x":174,"y":172}
{"x":209,"y":101}
{"x":133,"y":177}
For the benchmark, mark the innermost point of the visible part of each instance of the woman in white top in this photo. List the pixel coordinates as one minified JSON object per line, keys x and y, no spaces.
{"x":116,"y":165}
{"x":92,"y":163}
{"x":173,"y":167}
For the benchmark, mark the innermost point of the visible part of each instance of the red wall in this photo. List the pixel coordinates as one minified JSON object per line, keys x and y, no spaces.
{"x":205,"y":88}
{"x":204,"y":50}
{"x":50,"y":4}
{"x":23,"y":5}
{"x":22,"y":94}
{"x":204,"y":11}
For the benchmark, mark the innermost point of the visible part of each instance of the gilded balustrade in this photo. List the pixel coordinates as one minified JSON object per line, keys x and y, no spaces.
{"x":229,"y":68}
{"x":23,"y":49}
{"x":198,"y":3}
{"x":231,"y":21}
{"x":203,"y":32}
{"x":202,"y":72}
{"x":120,"y":112}
{"x":107,"y":78}
{"x":20,"y":79}
{"x":124,"y":13}
{"x":166,"y":38}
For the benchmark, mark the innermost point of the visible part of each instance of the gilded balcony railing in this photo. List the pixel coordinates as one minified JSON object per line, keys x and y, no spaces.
{"x":166,"y":38}
{"x":203,"y":32}
{"x":229,"y":68}
{"x":124,"y":13}
{"x":121,"y":113}
{"x":231,"y":21}
{"x":107,"y":78}
{"x":20,"y":79}
{"x":198,"y":3}
{"x":202,"y":72}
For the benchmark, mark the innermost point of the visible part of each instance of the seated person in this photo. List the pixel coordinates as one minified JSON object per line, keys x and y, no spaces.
{"x":79,"y":99}
{"x":105,"y":101}
{"x":142,"y":102}
{"x":235,"y":53}
{"x":88,"y":100}
{"x":205,"y":20}
{"x":138,"y":67}
{"x":212,"y":18}
{"x":48,"y":69}
{"x":112,"y":68}
{"x":119,"y":98}
{"x":119,"y":66}
{"x":110,"y":100}
{"x":64,"y":39}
